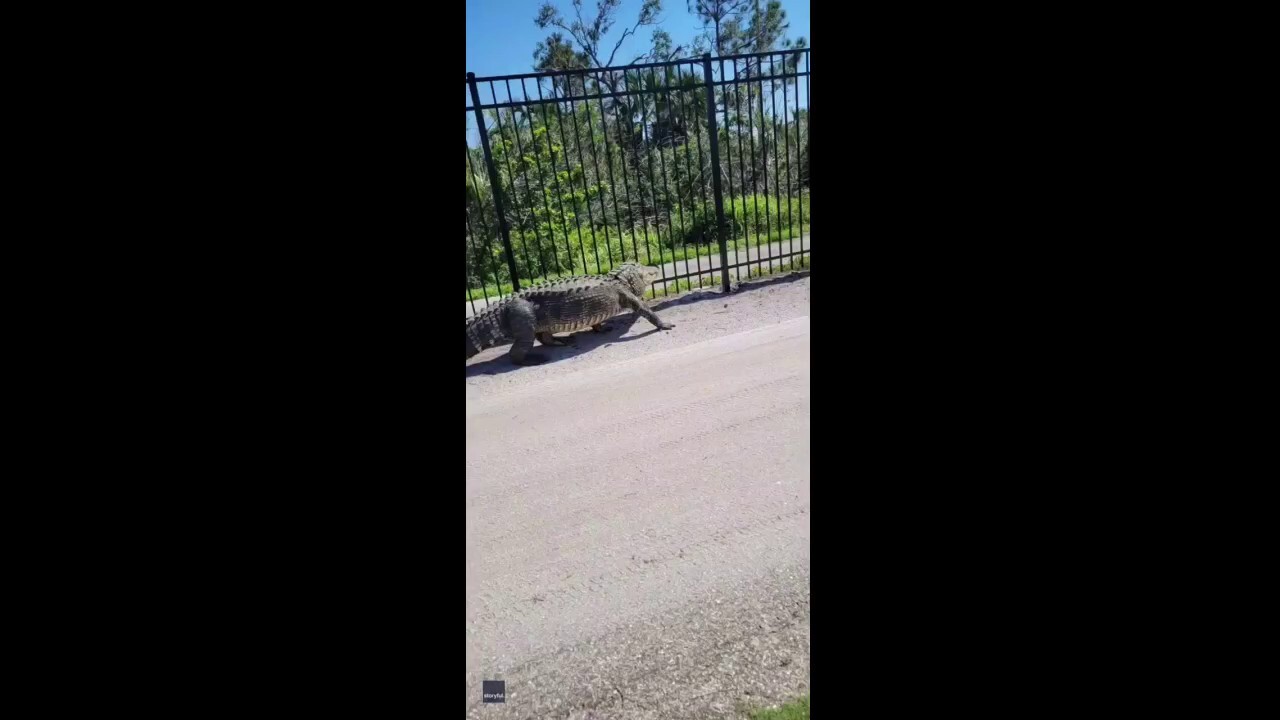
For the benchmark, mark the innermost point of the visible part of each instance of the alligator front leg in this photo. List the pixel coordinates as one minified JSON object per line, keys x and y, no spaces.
{"x":523,"y":323}
{"x":627,"y":300}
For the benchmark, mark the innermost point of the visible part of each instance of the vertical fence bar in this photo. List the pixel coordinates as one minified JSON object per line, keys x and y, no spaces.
{"x":608,"y":164}
{"x":786,"y":136}
{"x":496,"y":180}
{"x":764,"y":163}
{"x":686,"y":137}
{"x":646,"y":137}
{"x":555,"y":174}
{"x":675,"y":164}
{"x":715,"y":170}
{"x":702,"y":185}
{"x":728,"y":158}
{"x":808,"y":141}
{"x":542,"y":183}
{"x":613,"y":191}
{"x":595,"y":162}
{"x":470,"y":298}
{"x":521,"y":216}
{"x":626,"y":184}
{"x":470,"y":264}
{"x":773,"y":130}
{"x":666,"y":187}
{"x":799,"y":165}
{"x":493,"y":263}
{"x":623,"y":148}
{"x":742,"y":165}
{"x":524,"y":170}
{"x":564,"y":144}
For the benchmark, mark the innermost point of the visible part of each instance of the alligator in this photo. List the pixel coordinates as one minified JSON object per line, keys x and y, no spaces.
{"x":561,"y":306}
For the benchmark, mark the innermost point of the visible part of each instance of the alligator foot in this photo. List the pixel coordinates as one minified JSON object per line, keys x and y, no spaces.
{"x":550,"y":340}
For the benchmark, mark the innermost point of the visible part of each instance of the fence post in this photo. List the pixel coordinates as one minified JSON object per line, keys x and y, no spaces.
{"x":721,"y":230}
{"x":496,"y":182}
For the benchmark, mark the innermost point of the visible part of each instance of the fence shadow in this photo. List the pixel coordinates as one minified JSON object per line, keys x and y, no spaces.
{"x":745,"y":286}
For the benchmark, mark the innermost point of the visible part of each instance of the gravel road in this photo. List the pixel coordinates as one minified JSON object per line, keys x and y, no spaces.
{"x":638,"y":515}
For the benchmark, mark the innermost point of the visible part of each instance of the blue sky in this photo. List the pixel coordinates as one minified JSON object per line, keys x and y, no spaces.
{"x":501,"y":34}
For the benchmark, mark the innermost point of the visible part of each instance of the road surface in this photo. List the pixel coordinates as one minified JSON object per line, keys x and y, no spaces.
{"x":638,"y":515}
{"x":701,"y":264}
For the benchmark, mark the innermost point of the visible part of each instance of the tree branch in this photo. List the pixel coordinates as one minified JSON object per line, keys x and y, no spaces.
{"x":577,"y":9}
{"x":631,"y":31}
{"x":625,"y":33}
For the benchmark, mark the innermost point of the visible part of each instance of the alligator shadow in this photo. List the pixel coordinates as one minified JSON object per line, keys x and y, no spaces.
{"x":583,"y":341}
{"x":586,"y":340}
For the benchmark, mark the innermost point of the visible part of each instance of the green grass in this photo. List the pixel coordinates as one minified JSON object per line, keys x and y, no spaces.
{"x":800,"y":262}
{"x":797,"y":710}
{"x":710,"y":278}
{"x":686,"y":253}
{"x":647,"y":247}
{"x":676,"y":287}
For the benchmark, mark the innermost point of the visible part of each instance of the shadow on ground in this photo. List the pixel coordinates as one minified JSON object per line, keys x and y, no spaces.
{"x":583,"y":341}
{"x":587,"y":340}
{"x":659,"y":303}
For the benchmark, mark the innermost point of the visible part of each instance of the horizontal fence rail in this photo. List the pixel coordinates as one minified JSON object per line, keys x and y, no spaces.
{"x":698,"y":166}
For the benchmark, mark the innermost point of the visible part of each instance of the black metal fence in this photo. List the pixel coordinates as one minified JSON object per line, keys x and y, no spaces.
{"x":698,"y":166}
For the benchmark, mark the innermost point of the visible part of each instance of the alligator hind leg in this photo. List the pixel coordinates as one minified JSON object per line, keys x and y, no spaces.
{"x":521,"y":320}
{"x":550,"y":340}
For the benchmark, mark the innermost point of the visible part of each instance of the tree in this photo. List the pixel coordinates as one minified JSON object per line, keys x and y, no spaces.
{"x":742,"y":26}
{"x":590,"y":34}
{"x":627,"y":149}
{"x":722,"y":23}
{"x":664,"y":52}
{"x":557,"y":53}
